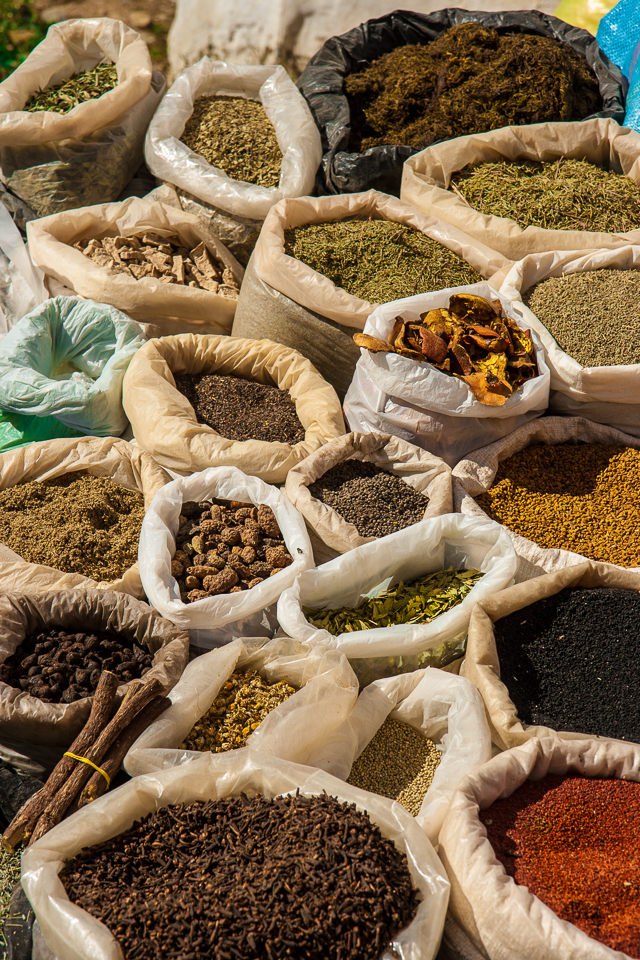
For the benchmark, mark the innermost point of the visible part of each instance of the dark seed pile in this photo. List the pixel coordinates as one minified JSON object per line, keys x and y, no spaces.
{"x":570,"y":662}
{"x":61,"y":667}
{"x":240,"y":409}
{"x":374,"y":501}
{"x":257,"y":879}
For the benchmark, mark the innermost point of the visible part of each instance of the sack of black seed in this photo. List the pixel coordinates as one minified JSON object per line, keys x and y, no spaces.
{"x":402,"y":902}
{"x":80,"y":145}
{"x":197,"y":400}
{"x":364,"y":486}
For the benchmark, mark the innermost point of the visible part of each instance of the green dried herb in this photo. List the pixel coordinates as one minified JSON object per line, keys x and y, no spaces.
{"x":82,"y":87}
{"x":419,"y":601}
{"x":9,"y":876}
{"x":378,"y":260}
{"x":559,"y":195}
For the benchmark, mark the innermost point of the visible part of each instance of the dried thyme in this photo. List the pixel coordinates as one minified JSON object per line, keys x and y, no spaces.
{"x":559,"y":195}
{"x":9,"y":877}
{"x":378,"y":260}
{"x":235,"y":135}
{"x":82,"y":87}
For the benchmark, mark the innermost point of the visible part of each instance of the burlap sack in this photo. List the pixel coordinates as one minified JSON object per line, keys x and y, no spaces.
{"x":427,"y":176}
{"x":101,"y":456}
{"x":475,"y":474}
{"x":23,"y":717}
{"x":609,"y":395}
{"x":422,"y":471}
{"x":164,"y":422}
{"x":164,"y":308}
{"x":501,"y":918}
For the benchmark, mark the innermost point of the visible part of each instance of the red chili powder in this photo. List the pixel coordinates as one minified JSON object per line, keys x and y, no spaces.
{"x":575,"y":843}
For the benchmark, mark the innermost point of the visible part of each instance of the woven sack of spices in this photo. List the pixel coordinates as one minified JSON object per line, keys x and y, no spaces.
{"x":427,"y":178}
{"x":165,"y":424}
{"x":422,"y":471}
{"x":215,"y":621}
{"x":606,"y":394}
{"x":326,"y":690}
{"x":421,"y":549}
{"x":55,"y":161}
{"x":481,"y":890}
{"x":420,"y":404}
{"x":476,"y":473}
{"x":289,"y":302}
{"x":163,"y":308}
{"x":71,"y":932}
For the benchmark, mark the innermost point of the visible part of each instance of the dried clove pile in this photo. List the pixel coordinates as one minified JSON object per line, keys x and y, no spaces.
{"x":304,"y":877}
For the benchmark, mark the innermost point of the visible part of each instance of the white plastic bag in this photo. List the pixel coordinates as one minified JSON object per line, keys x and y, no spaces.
{"x":72,"y":934}
{"x":216,"y":621}
{"x":327,"y":691}
{"x":419,"y":403}
{"x":298,"y":137}
{"x":21,"y":281}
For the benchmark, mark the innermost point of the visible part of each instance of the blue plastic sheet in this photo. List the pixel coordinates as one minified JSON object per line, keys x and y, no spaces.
{"x":619,"y":37}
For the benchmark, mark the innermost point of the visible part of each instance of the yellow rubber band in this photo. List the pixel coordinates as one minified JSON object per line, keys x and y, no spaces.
{"x":91,"y":764}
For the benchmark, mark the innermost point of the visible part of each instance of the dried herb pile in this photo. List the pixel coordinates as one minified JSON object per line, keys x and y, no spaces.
{"x":472,"y":340}
{"x":469,"y":80}
{"x":559,"y":195}
{"x":248,"y":877}
{"x":76,"y":523}
{"x":378,"y":260}
{"x":236,"y":136}
{"x":418,"y":601}
{"x":9,"y":876}
{"x":83,"y":86}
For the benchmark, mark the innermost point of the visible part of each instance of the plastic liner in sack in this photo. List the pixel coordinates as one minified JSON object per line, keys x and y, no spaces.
{"x":425,"y":547}
{"x":56,"y":161}
{"x":502,"y":918}
{"x":67,"y":359}
{"x":21,"y":281}
{"x":381,"y":167}
{"x":216,"y":621}
{"x":290,"y":302}
{"x":419,"y":403}
{"x":609,"y":395}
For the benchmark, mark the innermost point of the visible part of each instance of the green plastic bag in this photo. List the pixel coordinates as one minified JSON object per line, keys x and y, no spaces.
{"x":585,"y":14}
{"x":17,"y":430}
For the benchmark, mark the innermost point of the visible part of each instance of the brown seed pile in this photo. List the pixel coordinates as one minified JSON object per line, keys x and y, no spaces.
{"x":162,"y":258}
{"x":224,"y":547}
{"x":580,"y":497}
{"x":61,"y":667}
{"x":239,"y":709}
{"x":76,"y":523}
{"x":241,"y":409}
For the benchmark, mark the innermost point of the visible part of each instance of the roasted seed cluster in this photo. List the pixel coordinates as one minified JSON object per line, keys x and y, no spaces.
{"x":239,"y":709}
{"x":224,"y":547}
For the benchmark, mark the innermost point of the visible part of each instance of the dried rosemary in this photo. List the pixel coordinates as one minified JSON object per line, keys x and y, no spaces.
{"x":82,"y":87}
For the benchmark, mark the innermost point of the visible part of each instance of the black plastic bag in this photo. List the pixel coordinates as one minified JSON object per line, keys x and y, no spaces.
{"x":380,"y":168}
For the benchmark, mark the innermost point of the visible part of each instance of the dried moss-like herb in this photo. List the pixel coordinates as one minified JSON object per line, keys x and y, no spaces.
{"x":378,"y":260}
{"x":559,"y":195}
{"x":235,"y":135}
{"x":470,"y":79}
{"x":82,"y":87}
{"x":9,"y":876}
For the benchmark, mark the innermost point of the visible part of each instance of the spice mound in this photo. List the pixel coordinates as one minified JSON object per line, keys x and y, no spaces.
{"x":570,"y":661}
{"x":581,"y":497}
{"x":378,"y":260}
{"x":558,"y":195}
{"x":398,"y":763}
{"x":376,"y":502}
{"x":592,"y":316}
{"x":470,"y":79}
{"x":575,"y":843}
{"x":61,"y":667}
{"x":77,"y":523}
{"x":471,"y":340}
{"x":241,"y":409}
{"x":418,"y":601}
{"x":66,"y":95}
{"x":162,"y":258}
{"x":248,"y":877}
{"x":236,"y":136}
{"x":225,"y":546}
{"x":239,"y":709}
